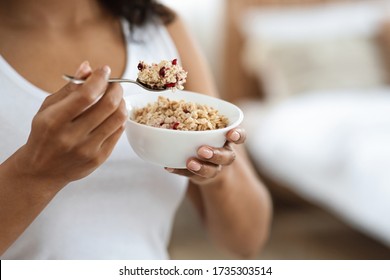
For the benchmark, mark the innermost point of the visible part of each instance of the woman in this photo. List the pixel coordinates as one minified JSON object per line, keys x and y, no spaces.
{"x":70,"y":186}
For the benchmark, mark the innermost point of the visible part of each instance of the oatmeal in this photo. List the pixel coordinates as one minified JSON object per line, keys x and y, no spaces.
{"x":180,"y":115}
{"x":163,"y":75}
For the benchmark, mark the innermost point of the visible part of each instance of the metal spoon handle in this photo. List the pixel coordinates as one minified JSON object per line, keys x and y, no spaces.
{"x":78,"y":81}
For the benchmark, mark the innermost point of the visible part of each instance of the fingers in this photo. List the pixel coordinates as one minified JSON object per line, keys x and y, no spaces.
{"x":203,"y":169}
{"x":219,"y":156}
{"x":98,"y":153}
{"x":103,"y":109}
{"x":109,"y":143}
{"x":75,"y":131}
{"x":198,"y":170}
{"x":110,"y":125}
{"x":83,"y":71}
{"x":225,"y":155}
{"x":83,"y":96}
{"x":236,"y":135}
{"x":210,"y":161}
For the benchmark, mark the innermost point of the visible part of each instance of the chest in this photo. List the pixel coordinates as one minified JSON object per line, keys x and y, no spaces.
{"x":42,"y":58}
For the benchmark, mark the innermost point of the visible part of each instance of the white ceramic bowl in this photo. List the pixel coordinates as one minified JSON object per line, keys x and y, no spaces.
{"x":172,"y":148}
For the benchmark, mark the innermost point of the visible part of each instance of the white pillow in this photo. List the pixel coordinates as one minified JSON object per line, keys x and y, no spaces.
{"x":318,"y":21}
{"x":325,"y":46}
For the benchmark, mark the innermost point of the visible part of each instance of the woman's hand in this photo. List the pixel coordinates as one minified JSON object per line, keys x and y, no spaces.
{"x":211,"y":161}
{"x":75,"y":129}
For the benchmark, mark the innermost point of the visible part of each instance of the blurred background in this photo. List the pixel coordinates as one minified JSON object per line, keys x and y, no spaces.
{"x":313,"y":80}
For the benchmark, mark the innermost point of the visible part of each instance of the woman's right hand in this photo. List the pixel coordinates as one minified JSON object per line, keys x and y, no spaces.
{"x":75,"y":129}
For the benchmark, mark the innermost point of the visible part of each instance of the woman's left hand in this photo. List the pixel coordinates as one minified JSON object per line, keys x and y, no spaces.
{"x":211,"y":161}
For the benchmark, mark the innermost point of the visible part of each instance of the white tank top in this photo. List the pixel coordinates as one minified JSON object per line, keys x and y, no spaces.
{"x":123,"y":210}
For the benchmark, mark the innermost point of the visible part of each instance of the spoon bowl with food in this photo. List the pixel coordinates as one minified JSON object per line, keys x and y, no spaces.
{"x":154,"y":77}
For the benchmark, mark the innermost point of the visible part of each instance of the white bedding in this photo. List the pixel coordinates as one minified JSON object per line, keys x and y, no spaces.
{"x":292,"y":49}
{"x":331,"y":147}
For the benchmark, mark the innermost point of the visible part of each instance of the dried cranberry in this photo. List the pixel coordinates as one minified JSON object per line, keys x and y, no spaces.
{"x":140,"y":66}
{"x":174,"y":62}
{"x":162,"y":72}
{"x":170,"y":85}
{"x":175,"y":125}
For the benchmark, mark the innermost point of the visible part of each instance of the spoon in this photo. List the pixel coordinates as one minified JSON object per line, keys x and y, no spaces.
{"x":78,"y":81}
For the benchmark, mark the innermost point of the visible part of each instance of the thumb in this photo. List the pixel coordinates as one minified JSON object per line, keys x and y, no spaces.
{"x":83,"y":71}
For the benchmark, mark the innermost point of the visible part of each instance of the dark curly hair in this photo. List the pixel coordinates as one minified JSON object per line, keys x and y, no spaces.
{"x":137,"y":12}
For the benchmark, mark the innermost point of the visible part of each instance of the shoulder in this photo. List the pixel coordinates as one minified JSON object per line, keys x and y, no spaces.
{"x":200,"y":78}
{"x":178,"y":30}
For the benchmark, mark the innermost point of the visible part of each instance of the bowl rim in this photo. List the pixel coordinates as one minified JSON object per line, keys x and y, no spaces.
{"x":234,"y":124}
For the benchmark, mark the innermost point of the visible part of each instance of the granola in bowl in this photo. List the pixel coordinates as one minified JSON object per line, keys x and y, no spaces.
{"x":180,"y":115}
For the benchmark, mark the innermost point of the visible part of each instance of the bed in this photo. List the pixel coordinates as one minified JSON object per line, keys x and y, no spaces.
{"x":312,"y":79}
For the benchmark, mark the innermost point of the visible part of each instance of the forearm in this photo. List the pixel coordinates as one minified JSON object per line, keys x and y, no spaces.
{"x":73,"y":133}
{"x":22,"y":198}
{"x":237,"y":209}
{"x":235,"y":206}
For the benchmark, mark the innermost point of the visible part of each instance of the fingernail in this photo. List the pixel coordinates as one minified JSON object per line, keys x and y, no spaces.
{"x":107,"y":71}
{"x":205,"y":153}
{"x":194,"y":166}
{"x":170,"y":170}
{"x":235,"y":136}
{"x":84,"y":67}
